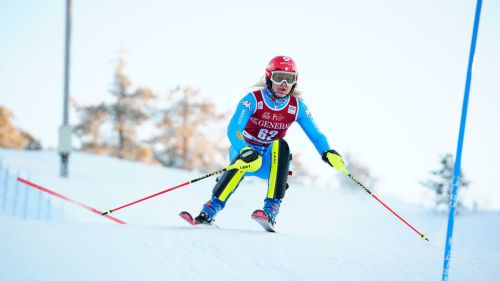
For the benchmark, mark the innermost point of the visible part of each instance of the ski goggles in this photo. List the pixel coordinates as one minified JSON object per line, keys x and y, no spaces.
{"x":277,"y":77}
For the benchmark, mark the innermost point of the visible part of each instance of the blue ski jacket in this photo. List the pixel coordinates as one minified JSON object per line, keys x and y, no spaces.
{"x":248,"y":105}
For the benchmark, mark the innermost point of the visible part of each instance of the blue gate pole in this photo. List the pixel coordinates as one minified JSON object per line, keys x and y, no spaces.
{"x":25,"y":206}
{"x":2,"y":187}
{"x":456,"y":168}
{"x":16,"y":195}
{"x":39,"y":204}
{"x":5,"y":188}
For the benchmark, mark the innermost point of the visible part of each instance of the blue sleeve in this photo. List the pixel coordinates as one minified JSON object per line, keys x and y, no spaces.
{"x":246,"y":107}
{"x":307,"y":123}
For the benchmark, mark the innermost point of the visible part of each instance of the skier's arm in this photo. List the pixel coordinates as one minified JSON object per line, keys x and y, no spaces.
{"x":245,"y":109}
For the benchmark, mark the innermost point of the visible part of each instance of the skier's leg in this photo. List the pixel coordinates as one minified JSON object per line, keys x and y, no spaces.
{"x":278,"y":176}
{"x":225,"y":186}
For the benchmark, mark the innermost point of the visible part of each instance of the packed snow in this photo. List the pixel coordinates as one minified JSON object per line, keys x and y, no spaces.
{"x":323,"y":233}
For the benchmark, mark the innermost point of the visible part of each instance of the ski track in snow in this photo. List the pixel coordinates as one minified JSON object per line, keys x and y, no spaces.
{"x":349,"y":236}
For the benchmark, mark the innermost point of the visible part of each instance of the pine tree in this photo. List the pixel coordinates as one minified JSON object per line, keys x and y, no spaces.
{"x":129,"y":110}
{"x":112,"y":129}
{"x":441,"y":182}
{"x":189,"y":133}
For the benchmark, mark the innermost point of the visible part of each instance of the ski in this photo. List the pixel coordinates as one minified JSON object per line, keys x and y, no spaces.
{"x":261,"y":218}
{"x":189,"y":219}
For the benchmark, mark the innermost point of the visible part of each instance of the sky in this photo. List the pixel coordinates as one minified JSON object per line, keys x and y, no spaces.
{"x":384,"y":80}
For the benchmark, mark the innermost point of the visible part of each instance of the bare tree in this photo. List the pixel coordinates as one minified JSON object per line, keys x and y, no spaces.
{"x":90,"y":129}
{"x":189,"y":137}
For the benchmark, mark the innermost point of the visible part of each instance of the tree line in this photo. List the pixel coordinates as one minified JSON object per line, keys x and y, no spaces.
{"x":177,"y":129}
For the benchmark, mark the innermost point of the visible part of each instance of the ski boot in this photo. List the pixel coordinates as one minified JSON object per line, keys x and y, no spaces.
{"x":203,"y":218}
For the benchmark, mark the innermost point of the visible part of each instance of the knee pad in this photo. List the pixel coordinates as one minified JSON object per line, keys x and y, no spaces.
{"x":280,"y":164}
{"x":227,"y":183}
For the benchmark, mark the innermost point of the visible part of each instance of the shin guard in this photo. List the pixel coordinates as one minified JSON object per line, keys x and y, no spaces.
{"x":227,"y":183}
{"x":280,"y":164}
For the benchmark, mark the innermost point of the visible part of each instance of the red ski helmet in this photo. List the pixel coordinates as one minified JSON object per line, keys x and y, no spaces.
{"x":281,"y":63}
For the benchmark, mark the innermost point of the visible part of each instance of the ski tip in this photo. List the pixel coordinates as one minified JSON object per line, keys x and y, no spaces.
{"x":259,"y":215}
{"x":187,"y":217}
{"x":261,"y":218}
{"x":184,"y":213}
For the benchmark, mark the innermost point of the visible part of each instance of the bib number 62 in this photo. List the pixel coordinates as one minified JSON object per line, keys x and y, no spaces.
{"x":265,"y":134}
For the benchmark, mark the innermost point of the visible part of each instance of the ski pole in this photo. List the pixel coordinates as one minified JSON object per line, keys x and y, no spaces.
{"x":422,"y":236}
{"x":169,"y":189}
{"x":53,"y":193}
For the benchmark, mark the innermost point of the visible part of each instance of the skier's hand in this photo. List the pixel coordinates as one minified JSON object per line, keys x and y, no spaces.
{"x":334,"y":159}
{"x":248,"y":161}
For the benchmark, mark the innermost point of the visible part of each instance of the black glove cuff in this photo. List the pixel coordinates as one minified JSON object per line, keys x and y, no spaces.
{"x":323,"y":156}
{"x":249,"y":155}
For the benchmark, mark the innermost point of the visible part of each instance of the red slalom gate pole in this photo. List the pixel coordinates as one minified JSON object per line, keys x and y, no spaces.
{"x":422,"y":236}
{"x":53,"y":193}
{"x":167,"y":190}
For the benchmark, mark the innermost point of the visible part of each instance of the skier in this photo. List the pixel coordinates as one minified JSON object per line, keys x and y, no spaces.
{"x":258,"y":148}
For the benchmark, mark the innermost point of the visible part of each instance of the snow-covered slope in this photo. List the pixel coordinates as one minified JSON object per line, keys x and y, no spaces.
{"x":324,"y":234}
